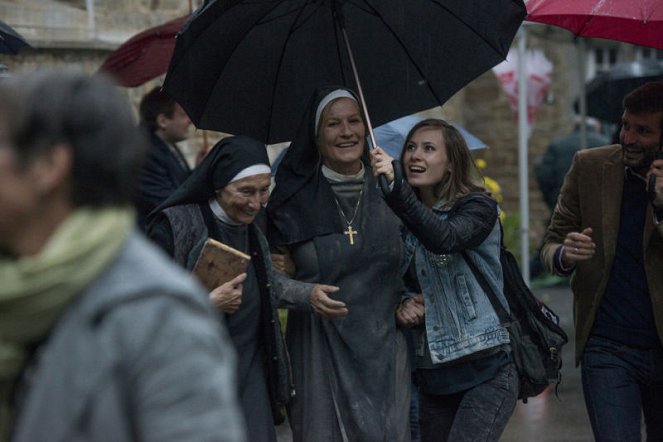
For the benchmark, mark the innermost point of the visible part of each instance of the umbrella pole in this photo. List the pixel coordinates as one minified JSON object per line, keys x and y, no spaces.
{"x":359,"y":89}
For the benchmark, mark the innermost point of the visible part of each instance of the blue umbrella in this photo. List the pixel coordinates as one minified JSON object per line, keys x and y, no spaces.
{"x":391,"y":136}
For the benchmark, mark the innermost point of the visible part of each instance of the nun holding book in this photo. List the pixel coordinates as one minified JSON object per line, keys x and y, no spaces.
{"x":221,"y":200}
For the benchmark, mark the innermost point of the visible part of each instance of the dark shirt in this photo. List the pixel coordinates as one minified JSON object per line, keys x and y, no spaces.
{"x":626,"y":314}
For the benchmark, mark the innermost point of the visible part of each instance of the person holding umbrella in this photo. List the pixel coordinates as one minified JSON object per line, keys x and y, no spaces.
{"x":349,"y":359}
{"x":468,"y":382}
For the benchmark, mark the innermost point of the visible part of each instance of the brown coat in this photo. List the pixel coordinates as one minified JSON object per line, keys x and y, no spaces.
{"x":591,"y":197}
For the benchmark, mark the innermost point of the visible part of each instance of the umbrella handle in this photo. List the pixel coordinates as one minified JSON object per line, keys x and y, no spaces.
{"x":384,"y":185}
{"x":398,"y":177}
{"x":360,"y":91}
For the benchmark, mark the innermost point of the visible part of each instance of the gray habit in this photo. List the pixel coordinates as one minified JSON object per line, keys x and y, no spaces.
{"x":351,"y":374}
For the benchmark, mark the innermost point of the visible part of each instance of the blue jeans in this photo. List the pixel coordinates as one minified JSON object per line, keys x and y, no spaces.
{"x":620,"y":383}
{"x":478,"y":414}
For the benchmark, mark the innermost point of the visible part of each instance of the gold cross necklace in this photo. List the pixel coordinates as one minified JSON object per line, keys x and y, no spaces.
{"x":350,"y":232}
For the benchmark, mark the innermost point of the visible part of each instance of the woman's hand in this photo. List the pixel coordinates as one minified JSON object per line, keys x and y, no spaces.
{"x":323,"y":305}
{"x":411,"y":311}
{"x":381,"y":164}
{"x":228,"y":297}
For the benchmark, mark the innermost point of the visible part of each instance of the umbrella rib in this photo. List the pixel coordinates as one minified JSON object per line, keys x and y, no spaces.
{"x":469,"y":26}
{"x":372,"y":9}
{"x":294,"y":25}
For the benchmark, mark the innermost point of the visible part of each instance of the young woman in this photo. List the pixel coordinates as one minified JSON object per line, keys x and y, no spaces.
{"x":467,"y":380}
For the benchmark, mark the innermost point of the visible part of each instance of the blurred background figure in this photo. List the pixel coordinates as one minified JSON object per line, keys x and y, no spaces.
{"x":555,"y":162}
{"x":165,"y":167}
{"x":101,"y":337}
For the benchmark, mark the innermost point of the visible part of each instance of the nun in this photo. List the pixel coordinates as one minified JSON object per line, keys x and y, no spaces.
{"x":221,"y":200}
{"x":349,"y":359}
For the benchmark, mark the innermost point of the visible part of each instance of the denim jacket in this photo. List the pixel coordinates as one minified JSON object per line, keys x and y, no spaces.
{"x":460,"y":319}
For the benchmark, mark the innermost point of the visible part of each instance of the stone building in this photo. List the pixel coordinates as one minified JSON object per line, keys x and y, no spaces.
{"x":84,"y":32}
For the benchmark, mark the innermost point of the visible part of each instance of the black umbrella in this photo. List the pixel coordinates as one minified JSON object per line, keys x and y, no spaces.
{"x":606,"y":92}
{"x":10,"y":40}
{"x":249,"y":67}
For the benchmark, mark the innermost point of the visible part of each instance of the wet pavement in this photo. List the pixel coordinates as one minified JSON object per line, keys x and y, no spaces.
{"x":545,"y":418}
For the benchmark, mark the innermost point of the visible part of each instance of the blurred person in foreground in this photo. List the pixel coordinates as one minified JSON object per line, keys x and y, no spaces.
{"x":165,"y":167}
{"x":101,"y":338}
{"x":606,"y":231}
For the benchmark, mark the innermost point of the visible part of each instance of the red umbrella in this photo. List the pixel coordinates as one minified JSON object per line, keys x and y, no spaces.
{"x":638,"y":22}
{"x":144,"y":56}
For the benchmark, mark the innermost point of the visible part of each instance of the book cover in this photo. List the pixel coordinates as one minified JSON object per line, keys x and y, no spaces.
{"x":218,"y":263}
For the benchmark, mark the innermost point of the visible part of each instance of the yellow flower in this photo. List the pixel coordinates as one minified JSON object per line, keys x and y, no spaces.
{"x":481,"y":163}
{"x":494,"y":188}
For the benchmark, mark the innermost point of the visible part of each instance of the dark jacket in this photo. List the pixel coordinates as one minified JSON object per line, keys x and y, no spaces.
{"x":186,"y":228}
{"x":591,"y":197}
{"x":162,"y":173}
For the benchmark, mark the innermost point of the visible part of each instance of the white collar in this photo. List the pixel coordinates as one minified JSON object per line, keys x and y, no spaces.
{"x":221,"y":214}
{"x":336,"y":177}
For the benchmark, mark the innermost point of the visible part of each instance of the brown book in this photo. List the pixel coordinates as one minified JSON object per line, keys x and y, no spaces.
{"x":218,"y":263}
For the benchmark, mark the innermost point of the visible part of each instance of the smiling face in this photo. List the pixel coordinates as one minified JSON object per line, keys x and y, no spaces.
{"x":242,"y":199}
{"x":341,"y":136}
{"x":640,"y":138}
{"x":425,"y":159}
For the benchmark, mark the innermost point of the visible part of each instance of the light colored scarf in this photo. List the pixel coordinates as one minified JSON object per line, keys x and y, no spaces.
{"x":35,"y":290}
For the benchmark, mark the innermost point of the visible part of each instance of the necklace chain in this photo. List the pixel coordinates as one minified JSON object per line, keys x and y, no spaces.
{"x":350,"y":232}
{"x":354,"y":215}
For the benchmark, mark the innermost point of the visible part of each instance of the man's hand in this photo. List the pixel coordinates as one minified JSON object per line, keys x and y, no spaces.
{"x":411,"y":312}
{"x":323,"y":305}
{"x":578,"y":246}
{"x":228,"y":297}
{"x":656,"y":170}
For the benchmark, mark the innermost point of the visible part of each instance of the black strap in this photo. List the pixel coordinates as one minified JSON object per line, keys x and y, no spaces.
{"x":505,"y":317}
{"x":502,"y":314}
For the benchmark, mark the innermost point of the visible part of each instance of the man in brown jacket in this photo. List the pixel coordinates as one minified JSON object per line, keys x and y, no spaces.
{"x":607,"y":230}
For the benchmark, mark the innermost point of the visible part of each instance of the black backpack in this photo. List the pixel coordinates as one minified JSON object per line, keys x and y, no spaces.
{"x":536,"y":337}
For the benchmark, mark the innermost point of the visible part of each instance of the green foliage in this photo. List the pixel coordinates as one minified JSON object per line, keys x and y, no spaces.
{"x":511,"y":226}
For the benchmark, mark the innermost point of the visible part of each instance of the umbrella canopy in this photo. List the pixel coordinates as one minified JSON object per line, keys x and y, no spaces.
{"x":144,"y":56}
{"x":11,"y":42}
{"x":606,"y":92}
{"x":391,"y":136}
{"x":248,"y":67}
{"x":634,"y":21}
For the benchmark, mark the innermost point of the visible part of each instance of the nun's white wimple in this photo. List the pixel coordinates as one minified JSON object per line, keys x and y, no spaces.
{"x":256,"y":169}
{"x":333,"y":95}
